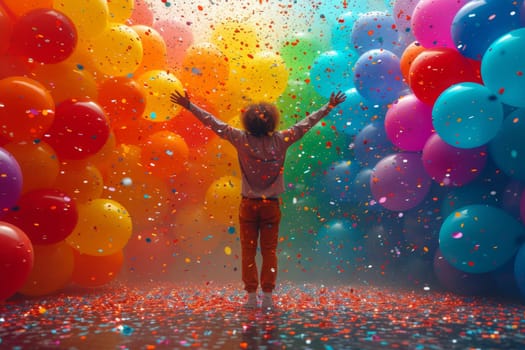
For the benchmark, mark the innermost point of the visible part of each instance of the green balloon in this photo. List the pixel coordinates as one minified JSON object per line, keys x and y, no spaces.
{"x":299,"y":51}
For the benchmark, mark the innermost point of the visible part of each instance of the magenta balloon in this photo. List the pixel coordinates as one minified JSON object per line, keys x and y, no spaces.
{"x":408,"y":123}
{"x":10,"y":181}
{"x":399,"y":181}
{"x":451,"y":166}
{"x":432,"y":20}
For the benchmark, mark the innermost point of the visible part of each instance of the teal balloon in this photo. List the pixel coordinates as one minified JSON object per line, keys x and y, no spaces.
{"x":479,"y":238}
{"x":342,"y":30}
{"x":467,"y":115}
{"x":332,"y":71}
{"x":503,"y":68}
{"x":507,"y":149}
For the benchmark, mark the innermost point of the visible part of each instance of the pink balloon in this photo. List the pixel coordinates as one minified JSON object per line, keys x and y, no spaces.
{"x":142,"y":14}
{"x":408,"y":123}
{"x":177,"y":36}
{"x":399,"y":181}
{"x":432,"y":20}
{"x":402,"y":12}
{"x":451,"y":166}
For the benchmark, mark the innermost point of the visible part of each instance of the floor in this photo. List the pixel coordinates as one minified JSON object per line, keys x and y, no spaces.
{"x":306,"y":316}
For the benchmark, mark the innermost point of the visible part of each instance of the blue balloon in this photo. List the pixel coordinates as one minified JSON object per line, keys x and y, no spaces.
{"x":479,"y":238}
{"x":372,"y":144}
{"x":332,"y":71}
{"x":342,"y":31}
{"x":479,"y":23}
{"x":375,"y":30}
{"x":338,"y":178}
{"x":467,"y":115}
{"x":503,"y":68}
{"x":507,"y":149}
{"x":378,"y":77}
{"x":519,"y":269}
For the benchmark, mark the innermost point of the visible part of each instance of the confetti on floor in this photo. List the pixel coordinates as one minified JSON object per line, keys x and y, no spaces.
{"x":307,"y":316}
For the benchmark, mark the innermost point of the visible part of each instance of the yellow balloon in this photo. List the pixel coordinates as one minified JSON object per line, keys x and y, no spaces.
{"x":38,"y":162}
{"x":266,"y":77}
{"x":154,"y":49}
{"x":52,"y":269}
{"x":157,"y":86}
{"x":81,"y":180}
{"x":89,"y":16}
{"x":120,"y":10}
{"x":104,"y":227}
{"x":236,"y":40}
{"x":117,"y":50}
{"x":223,"y":198}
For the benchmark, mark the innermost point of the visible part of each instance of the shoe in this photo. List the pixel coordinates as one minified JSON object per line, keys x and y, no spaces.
{"x":267,"y":302}
{"x":251,"y":302}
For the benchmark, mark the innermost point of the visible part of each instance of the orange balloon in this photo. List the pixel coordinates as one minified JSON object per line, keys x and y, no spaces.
{"x":408,"y":56}
{"x":102,"y":158}
{"x":204,"y":68}
{"x":165,"y":153}
{"x":65,"y":81}
{"x":223,"y":198}
{"x":81,"y":180}
{"x":154,"y":49}
{"x":18,"y":8}
{"x":38,"y":162}
{"x":28,"y":109}
{"x":52,"y":269}
{"x":94,"y":271}
{"x":14,"y":65}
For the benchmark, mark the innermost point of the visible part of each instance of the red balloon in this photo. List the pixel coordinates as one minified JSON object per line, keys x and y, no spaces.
{"x":16,"y":260}
{"x":6,"y":30}
{"x":46,"y":216}
{"x":80,"y":129}
{"x":45,"y":35}
{"x":435,"y":70}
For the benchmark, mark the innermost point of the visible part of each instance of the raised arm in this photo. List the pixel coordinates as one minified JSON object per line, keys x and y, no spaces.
{"x":297,"y":131}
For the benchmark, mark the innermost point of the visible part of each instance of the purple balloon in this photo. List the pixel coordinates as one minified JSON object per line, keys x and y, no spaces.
{"x":402,"y":11}
{"x":372,"y":144}
{"x":452,"y":166}
{"x":10,"y":181}
{"x":399,"y":181}
{"x":408,"y":123}
{"x":375,"y":30}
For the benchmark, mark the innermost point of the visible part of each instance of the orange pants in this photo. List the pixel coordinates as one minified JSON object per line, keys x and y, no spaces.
{"x":259,"y":219}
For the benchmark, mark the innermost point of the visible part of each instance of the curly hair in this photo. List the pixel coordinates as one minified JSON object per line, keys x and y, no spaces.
{"x":260,"y":119}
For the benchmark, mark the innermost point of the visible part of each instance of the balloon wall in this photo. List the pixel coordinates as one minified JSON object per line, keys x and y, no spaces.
{"x":418,"y":177}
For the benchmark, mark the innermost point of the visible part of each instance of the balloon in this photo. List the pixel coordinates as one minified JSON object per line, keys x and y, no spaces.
{"x":28,"y":109}
{"x":472,"y":241}
{"x":11,"y":65}
{"x":519,"y":269}
{"x":372,"y":144}
{"x":38,"y":163}
{"x":298,"y":98}
{"x":399,"y":181}
{"x":141,"y":14}
{"x":522,"y":206}
{"x":337,"y":179}
{"x":451,"y":166}
{"x":65,"y":81}
{"x":120,"y":10}
{"x":503,"y":65}
{"x":45,"y":35}
{"x":479,"y":23}
{"x":53,"y":266}
{"x":153,"y":48}
{"x":47,"y":216}
{"x":18,"y":8}
{"x":81,"y":180}
{"x":434,"y":70}
{"x":90,"y":17}
{"x":467,"y":125}
{"x":342,"y":30}
{"x":223,"y":198}
{"x":299,"y":51}
{"x":375,"y":30}
{"x":104,"y":227}
{"x":402,"y":13}
{"x":10,"y":181}
{"x":377,"y":76}
{"x":204,"y":68}
{"x":408,"y":123}
{"x":332,"y":71}
{"x":432,"y":19}
{"x":95,"y":271}
{"x":157,"y":85}
{"x":165,"y":153}
{"x":265,"y":78}
{"x":408,"y":56}
{"x":237,"y":40}
{"x":178,"y":37}
{"x":117,"y":50}
{"x":80,"y":129}
{"x":508,"y":146}
{"x":6,"y":30}
{"x":16,"y":260}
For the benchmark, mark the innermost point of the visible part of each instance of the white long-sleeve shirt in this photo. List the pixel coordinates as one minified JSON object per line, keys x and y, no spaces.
{"x":261,"y":158}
